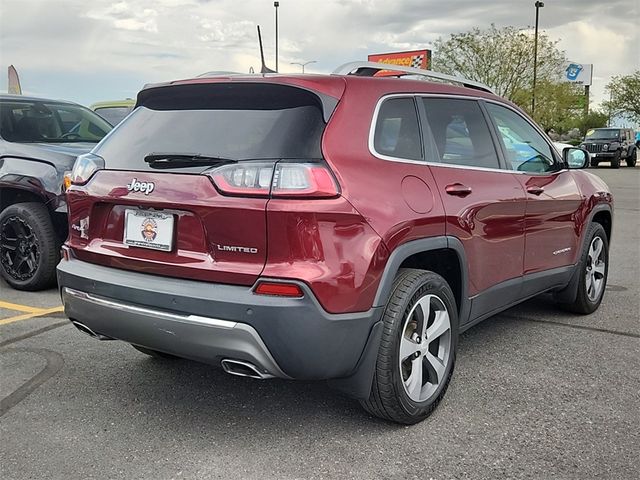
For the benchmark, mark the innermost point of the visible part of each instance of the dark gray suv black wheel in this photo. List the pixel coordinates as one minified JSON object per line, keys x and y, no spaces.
{"x":29,"y":247}
{"x":632,"y":158}
{"x":615,"y":161}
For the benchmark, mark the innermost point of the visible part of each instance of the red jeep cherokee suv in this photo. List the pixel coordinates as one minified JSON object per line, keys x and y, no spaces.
{"x":343,"y":227}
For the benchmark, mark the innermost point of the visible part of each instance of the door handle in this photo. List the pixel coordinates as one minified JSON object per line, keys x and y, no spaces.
{"x":535,"y":190}
{"x":458,"y":190}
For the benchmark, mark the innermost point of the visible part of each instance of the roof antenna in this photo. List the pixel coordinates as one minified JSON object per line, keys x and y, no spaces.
{"x":264,"y":68}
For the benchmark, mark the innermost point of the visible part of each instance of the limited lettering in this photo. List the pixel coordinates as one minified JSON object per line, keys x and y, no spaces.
{"x":229,"y":248}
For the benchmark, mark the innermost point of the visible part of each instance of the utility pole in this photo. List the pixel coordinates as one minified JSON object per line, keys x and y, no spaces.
{"x":276,"y":5}
{"x":586,"y":100}
{"x":538,"y":6}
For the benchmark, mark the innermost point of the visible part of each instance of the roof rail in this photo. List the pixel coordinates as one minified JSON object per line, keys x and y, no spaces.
{"x":369,"y":69}
{"x":219,"y":73}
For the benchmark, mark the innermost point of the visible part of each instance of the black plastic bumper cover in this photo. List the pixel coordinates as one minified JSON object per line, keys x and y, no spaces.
{"x":305,"y":341}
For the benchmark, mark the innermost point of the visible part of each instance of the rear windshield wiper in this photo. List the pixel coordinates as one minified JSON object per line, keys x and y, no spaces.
{"x":182,"y":160}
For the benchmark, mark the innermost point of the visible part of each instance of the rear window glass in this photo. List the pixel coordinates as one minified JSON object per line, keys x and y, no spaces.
{"x":238,"y":122}
{"x":25,"y":121}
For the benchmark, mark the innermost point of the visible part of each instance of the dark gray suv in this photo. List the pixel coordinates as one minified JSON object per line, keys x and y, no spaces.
{"x":39,"y":141}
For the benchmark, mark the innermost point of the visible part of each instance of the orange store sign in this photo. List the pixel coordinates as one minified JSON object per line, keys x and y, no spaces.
{"x":413,"y":58}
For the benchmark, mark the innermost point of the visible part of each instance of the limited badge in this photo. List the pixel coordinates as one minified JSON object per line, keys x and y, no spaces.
{"x":149,"y":229}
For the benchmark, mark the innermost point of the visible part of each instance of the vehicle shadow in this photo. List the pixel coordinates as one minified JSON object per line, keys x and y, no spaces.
{"x":194,"y":395}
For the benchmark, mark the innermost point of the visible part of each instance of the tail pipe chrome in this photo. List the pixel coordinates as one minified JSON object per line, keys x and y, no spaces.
{"x":86,"y":330}
{"x":244,"y":369}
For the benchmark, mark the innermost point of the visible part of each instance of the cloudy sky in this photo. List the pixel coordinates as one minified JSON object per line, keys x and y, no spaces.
{"x":91,"y":50}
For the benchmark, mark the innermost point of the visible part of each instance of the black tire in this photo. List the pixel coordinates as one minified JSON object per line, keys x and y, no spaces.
{"x":154,"y":353}
{"x":583,"y":304}
{"x":594,"y":163}
{"x":389,"y":398}
{"x":632,"y":158}
{"x":27,"y":228}
{"x":615,"y":161}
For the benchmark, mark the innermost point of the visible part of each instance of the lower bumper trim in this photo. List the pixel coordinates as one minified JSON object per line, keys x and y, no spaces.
{"x":199,"y":338}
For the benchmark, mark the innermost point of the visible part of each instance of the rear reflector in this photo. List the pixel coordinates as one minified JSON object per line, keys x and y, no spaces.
{"x":279,"y":289}
{"x":282,"y":179}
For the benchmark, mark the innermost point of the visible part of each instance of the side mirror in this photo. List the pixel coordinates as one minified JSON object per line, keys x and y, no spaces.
{"x":575,"y":158}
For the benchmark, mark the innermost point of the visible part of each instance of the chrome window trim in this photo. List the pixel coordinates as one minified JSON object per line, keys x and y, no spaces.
{"x":381,"y":156}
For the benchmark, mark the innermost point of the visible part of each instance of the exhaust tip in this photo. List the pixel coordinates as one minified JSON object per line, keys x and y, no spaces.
{"x":87,"y":331}
{"x":243,"y":369}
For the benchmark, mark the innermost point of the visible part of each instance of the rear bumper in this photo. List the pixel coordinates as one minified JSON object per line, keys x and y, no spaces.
{"x":284,"y":337}
{"x":207,"y":338}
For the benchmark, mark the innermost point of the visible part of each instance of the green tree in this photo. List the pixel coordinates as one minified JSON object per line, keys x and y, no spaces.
{"x":501,"y":58}
{"x":559,"y":105}
{"x":595,"y":119}
{"x":625,"y":96}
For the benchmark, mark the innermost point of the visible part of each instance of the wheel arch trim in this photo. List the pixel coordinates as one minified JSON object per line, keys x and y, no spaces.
{"x":36,"y":177}
{"x":406,"y":250}
{"x":358,"y":384}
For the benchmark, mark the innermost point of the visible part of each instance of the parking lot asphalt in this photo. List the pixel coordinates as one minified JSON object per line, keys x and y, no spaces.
{"x":537,"y":393}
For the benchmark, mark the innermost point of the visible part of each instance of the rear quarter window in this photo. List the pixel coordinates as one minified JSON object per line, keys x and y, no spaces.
{"x":397,"y":131}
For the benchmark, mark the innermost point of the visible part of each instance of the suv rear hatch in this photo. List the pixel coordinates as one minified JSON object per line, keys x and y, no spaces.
{"x":180,"y":188}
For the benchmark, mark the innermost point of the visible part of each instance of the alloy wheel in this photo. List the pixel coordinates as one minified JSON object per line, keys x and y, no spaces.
{"x":595,"y":272}
{"x":425,"y":348}
{"x":19,"y":252}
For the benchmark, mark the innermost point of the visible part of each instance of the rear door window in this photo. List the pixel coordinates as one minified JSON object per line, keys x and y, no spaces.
{"x":397,"y":131}
{"x":460,"y":132}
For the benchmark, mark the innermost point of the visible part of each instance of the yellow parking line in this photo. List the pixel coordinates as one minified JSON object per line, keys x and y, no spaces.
{"x":19,"y":308}
{"x":27,"y":316}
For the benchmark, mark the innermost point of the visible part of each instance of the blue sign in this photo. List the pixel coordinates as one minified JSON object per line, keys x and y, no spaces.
{"x":573,"y":71}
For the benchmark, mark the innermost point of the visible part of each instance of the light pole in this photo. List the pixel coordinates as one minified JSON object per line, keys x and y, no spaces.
{"x":276,"y":5}
{"x":304,"y":64}
{"x":538,"y":6}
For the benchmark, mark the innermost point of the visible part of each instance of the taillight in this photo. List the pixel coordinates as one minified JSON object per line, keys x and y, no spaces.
{"x":243,"y":178}
{"x":303,"y":180}
{"x":282,"y":179}
{"x":84,"y":168}
{"x":279,"y":289}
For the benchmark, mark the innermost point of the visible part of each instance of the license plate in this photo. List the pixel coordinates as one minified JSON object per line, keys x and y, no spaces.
{"x":148,"y":229}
